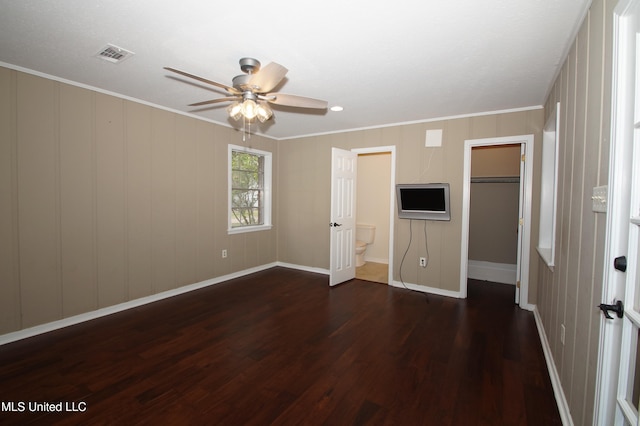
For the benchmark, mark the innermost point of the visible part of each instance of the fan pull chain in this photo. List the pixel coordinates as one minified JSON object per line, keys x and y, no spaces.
{"x":246,"y":124}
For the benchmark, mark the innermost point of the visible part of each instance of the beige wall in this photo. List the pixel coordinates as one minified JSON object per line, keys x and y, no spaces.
{"x":373,"y":200}
{"x":103,"y":200}
{"x":304,"y":203}
{"x":568,"y":295}
{"x":495,"y":161}
{"x":493,"y":222}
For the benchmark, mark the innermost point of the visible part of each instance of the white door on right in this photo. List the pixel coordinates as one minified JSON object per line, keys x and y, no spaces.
{"x":627,"y":135}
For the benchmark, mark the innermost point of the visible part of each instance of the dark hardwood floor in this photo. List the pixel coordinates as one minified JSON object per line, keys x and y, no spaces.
{"x":281,"y":347}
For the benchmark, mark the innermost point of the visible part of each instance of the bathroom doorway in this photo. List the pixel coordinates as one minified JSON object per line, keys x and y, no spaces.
{"x":375,"y":206}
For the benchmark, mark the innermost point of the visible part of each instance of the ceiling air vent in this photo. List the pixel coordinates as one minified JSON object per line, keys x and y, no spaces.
{"x":113,"y":54}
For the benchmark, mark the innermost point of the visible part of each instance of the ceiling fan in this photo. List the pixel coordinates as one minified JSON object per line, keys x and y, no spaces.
{"x":251,"y":91}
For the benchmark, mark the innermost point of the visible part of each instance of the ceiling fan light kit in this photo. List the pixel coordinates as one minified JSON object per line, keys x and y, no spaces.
{"x":263,"y":112}
{"x":251,"y":92}
{"x":235,"y":110}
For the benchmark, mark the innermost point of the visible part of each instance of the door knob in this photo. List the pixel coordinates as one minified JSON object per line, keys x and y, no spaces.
{"x":335,"y":224}
{"x":620,"y":263}
{"x":618,"y":308}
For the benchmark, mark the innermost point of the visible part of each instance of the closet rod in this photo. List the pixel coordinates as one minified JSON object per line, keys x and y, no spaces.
{"x":497,"y":179}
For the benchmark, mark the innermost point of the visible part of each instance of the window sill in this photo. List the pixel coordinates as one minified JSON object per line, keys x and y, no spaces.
{"x":244,"y":229}
{"x":545,"y":254}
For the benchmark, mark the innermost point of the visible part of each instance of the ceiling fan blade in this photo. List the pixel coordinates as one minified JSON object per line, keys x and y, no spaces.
{"x":268,"y":77}
{"x":215,"y":101}
{"x":295,"y":101}
{"x":204,"y":80}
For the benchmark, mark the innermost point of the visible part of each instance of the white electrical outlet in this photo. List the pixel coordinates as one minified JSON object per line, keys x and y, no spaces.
{"x":423,"y":262}
{"x":224,"y":253}
{"x":562,"y":333}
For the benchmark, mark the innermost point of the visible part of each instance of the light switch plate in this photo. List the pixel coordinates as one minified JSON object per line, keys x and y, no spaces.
{"x":599,"y":199}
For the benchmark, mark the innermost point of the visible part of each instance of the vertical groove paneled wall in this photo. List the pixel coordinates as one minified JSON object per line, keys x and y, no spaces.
{"x":569,"y":293}
{"x":105,"y":200}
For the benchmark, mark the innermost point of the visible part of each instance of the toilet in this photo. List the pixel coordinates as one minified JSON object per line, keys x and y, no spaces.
{"x":364,"y":236}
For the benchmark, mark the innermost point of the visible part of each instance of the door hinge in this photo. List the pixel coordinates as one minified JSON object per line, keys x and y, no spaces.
{"x":521,"y":221}
{"x":518,"y":284}
{"x":523,"y":158}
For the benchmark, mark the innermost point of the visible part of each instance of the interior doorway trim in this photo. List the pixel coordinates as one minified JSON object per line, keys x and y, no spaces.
{"x":392,"y":195}
{"x":525,"y":196}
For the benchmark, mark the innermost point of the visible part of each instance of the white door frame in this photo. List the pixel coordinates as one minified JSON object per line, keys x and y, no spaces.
{"x":525,"y":227}
{"x":392,"y":195}
{"x":618,"y":207}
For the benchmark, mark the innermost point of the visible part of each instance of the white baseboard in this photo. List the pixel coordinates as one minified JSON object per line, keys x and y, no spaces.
{"x":420,"y":288}
{"x":504,"y":273}
{"x":426,"y":289}
{"x":66,"y":322}
{"x":303,"y":268}
{"x":376,"y":260}
{"x":561,"y":399}
{"x":528,"y":307}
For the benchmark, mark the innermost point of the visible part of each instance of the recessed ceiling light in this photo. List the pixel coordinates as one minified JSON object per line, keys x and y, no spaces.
{"x":336,"y":108}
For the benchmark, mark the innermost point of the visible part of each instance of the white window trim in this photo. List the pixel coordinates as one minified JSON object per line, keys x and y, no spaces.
{"x":268,"y":163}
{"x":549,"y":188}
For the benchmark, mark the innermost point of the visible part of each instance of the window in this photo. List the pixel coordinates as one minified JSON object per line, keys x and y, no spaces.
{"x":249,"y":189}
{"x":549,"y":188}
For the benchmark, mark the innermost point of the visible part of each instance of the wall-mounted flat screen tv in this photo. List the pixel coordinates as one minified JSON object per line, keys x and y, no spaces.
{"x":427,"y":201}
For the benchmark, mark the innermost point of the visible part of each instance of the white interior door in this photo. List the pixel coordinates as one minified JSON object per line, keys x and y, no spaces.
{"x":628,"y":398}
{"x":343,"y":216}
{"x":619,"y":369}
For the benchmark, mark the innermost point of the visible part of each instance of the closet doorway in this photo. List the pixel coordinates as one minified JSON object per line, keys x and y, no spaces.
{"x":494,"y":213}
{"x":523,"y":229}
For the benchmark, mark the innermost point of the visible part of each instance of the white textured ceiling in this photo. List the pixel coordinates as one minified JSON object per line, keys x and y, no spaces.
{"x":385,"y":62}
